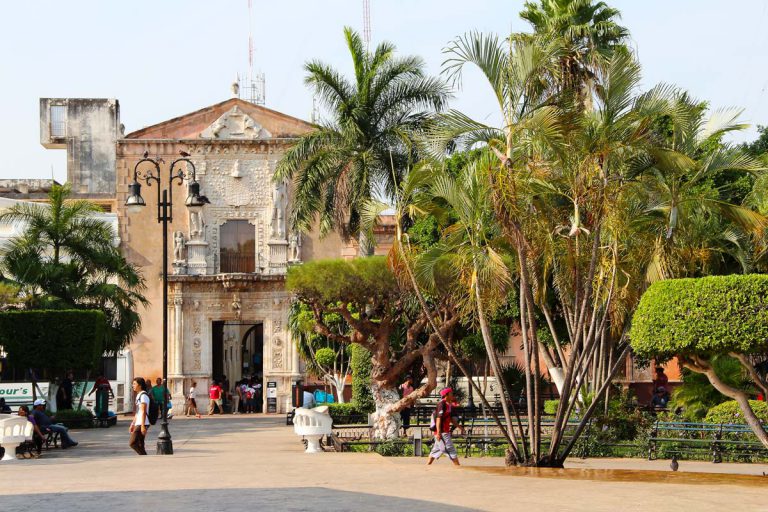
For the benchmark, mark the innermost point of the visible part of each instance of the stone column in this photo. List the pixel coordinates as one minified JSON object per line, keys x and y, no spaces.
{"x":178,"y":335}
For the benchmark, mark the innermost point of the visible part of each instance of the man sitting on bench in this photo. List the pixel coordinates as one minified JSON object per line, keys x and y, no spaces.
{"x":46,"y":424}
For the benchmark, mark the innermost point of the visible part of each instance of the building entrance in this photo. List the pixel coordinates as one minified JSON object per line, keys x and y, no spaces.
{"x":237,"y":353}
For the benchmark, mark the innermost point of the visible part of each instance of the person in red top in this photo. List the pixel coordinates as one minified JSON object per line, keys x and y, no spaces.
{"x":444,"y":421}
{"x":214,"y":393}
{"x":661,"y":379}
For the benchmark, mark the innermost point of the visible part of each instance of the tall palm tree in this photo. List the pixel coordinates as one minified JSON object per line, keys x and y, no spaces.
{"x":589,"y":32}
{"x":363,"y":150}
{"x":66,"y":258}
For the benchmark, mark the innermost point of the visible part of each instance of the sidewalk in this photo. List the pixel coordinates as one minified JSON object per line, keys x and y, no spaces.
{"x":256,"y":463}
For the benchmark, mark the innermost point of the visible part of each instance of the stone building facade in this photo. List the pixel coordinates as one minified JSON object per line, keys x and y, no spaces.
{"x":228,"y":307}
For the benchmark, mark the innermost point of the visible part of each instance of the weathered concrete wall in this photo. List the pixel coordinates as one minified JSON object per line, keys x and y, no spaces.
{"x":91,"y":128}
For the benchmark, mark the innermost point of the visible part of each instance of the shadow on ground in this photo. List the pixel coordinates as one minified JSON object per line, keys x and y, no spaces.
{"x":316,"y":499}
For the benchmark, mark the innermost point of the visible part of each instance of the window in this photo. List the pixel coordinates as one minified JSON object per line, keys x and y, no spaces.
{"x":58,"y":121}
{"x":237,"y":250}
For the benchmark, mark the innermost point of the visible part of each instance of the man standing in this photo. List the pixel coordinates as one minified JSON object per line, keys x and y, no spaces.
{"x":159,"y":392}
{"x":46,"y":424}
{"x":67,"y":384}
{"x":214,"y":394}
{"x":443,"y":424}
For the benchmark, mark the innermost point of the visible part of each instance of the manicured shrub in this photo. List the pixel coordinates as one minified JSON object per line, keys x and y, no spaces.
{"x":346,"y":413}
{"x":705,"y":316}
{"x":53,"y":339}
{"x":729,"y":412}
{"x":361,"y":379}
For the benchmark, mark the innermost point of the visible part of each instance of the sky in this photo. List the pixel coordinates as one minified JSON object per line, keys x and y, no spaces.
{"x":165,"y":58}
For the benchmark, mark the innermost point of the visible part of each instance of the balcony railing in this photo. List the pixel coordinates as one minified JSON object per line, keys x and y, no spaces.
{"x":232,"y":263}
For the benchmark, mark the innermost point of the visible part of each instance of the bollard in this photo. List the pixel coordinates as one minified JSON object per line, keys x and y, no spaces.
{"x":417,"y":442}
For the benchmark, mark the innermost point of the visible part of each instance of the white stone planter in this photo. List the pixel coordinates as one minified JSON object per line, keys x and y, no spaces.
{"x":13,"y":432}
{"x":312,"y":424}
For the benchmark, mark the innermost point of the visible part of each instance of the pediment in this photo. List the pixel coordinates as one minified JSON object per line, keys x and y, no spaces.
{"x":235,"y":124}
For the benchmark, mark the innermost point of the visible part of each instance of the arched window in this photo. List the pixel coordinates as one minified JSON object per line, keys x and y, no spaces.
{"x":237,"y":247}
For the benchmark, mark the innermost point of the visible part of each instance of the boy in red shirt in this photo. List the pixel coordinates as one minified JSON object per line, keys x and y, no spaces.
{"x":214,"y":393}
{"x":443,"y":422}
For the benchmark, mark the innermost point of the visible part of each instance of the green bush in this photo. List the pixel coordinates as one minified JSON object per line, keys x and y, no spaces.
{"x":704,"y":316}
{"x":73,"y":418}
{"x":729,"y":412}
{"x":341,"y":413}
{"x":361,"y":379}
{"x":53,"y":339}
{"x":550,"y":406}
{"x":394,"y":449}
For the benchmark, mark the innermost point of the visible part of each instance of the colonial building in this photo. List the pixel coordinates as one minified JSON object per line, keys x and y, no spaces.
{"x":228,"y":307}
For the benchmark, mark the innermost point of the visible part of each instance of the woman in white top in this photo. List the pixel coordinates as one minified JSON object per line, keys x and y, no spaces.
{"x":140,"y":423}
{"x":191,"y":402}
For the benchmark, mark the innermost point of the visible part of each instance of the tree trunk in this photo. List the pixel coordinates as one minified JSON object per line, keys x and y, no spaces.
{"x":386,"y":424}
{"x":700,"y":366}
{"x":338,"y":384}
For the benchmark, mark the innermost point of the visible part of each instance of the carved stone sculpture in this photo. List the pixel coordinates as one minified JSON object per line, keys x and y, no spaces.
{"x":197,"y":225}
{"x":279,"y":202}
{"x":178,"y":246}
{"x":294,"y":248}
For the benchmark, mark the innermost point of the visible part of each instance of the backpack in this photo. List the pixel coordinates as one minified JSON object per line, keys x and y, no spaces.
{"x":154,"y":409}
{"x":433,"y":417}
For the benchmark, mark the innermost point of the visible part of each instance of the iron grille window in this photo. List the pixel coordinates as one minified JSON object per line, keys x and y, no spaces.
{"x":58,"y":121}
{"x":238,"y":247}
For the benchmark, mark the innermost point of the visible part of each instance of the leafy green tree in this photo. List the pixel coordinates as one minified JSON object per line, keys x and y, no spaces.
{"x":323,"y":357}
{"x":363,"y":150}
{"x":366,"y":295}
{"x":66,"y":258}
{"x":697,"y":319}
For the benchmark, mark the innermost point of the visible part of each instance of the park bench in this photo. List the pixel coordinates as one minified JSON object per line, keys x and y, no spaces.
{"x":736,"y":439}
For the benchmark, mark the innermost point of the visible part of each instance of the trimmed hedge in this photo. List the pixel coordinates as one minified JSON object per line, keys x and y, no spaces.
{"x":704,"y":316}
{"x":53,"y":339}
{"x":729,"y":412}
{"x":354,"y":281}
{"x":343,"y":413}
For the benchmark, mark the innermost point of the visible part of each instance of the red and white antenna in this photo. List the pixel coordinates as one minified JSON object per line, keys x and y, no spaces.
{"x":367,"y":23}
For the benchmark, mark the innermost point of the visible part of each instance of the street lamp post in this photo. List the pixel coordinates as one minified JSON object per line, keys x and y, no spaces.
{"x":135,"y":203}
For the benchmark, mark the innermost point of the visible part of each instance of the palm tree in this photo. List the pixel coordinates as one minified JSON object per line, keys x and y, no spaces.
{"x":363,"y":150}
{"x":589,"y":32}
{"x":66,"y":258}
{"x":695,"y":224}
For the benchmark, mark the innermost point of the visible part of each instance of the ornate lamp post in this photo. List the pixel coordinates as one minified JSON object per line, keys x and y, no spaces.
{"x":135,"y":203}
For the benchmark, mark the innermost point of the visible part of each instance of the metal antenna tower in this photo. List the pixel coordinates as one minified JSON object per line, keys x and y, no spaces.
{"x":253,"y":88}
{"x":367,"y":23}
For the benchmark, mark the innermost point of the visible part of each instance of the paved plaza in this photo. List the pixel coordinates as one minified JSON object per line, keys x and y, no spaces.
{"x":256,"y":463}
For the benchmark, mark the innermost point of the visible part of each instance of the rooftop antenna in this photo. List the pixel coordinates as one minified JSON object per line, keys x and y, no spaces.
{"x":253,"y":89}
{"x":367,"y":23}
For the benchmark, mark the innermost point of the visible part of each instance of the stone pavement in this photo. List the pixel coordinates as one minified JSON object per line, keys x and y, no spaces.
{"x":256,"y":463}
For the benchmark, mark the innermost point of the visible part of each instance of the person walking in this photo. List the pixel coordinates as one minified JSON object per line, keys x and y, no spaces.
{"x":214,"y":395}
{"x":140,"y":423}
{"x":192,"y":401}
{"x":444,"y":423}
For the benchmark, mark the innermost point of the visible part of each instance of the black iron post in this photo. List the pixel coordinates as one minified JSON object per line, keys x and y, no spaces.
{"x":164,"y":217}
{"x":164,"y":443}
